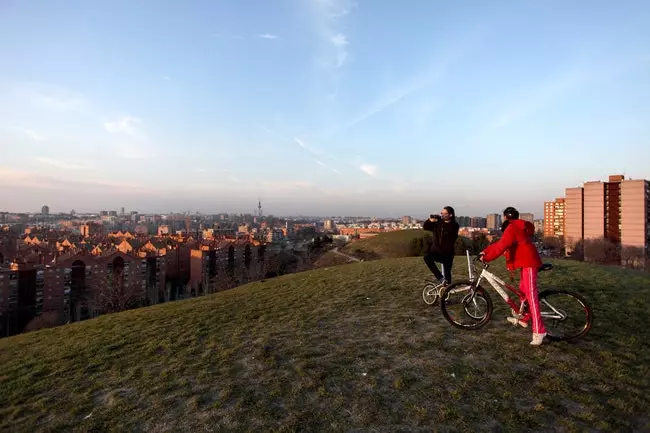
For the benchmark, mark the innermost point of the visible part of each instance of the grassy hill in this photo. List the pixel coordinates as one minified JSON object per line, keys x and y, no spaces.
{"x":342,"y":348}
{"x":385,"y":245}
{"x":330,"y":258}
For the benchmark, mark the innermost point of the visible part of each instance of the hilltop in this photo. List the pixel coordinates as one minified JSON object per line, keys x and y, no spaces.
{"x":348,"y":347}
{"x":387,"y":245}
{"x":401,"y":243}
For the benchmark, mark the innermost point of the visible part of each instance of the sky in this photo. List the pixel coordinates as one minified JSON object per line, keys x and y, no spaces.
{"x":318,"y":107}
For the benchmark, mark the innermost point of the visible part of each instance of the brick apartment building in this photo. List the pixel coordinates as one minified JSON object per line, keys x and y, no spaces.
{"x":554,"y":220}
{"x":617,"y":210}
{"x":80,"y":278}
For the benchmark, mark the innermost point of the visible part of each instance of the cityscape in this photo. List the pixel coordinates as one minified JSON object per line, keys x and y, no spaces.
{"x":324,"y":216}
{"x":119,"y":259}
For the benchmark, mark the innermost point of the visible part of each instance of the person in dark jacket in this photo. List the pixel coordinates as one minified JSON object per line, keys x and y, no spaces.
{"x":445,"y":232}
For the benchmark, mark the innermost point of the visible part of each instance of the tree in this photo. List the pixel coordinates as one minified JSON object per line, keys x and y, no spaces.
{"x":117,"y":295}
{"x":462,"y":245}
{"x":633,"y":257}
{"x":479,"y":243}
{"x":602,"y":251}
{"x":47,"y":319}
{"x":556,"y":244}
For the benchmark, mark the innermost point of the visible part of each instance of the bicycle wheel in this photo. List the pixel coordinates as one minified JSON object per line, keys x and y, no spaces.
{"x":566,"y":315}
{"x":461,"y":309}
{"x":431,"y":293}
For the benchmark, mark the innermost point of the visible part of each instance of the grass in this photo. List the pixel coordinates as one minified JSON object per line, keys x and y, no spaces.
{"x":330,"y":258}
{"x":385,"y":245}
{"x":351,"y":347}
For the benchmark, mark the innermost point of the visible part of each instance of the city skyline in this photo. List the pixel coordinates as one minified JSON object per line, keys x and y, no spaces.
{"x":208,"y":106}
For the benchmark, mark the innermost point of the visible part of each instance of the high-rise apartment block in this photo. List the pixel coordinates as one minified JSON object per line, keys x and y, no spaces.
{"x":617,"y":210}
{"x":527,"y":217}
{"x":494,"y":221}
{"x":554,"y":220}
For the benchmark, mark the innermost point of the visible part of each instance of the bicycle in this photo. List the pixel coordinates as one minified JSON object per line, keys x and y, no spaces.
{"x":432,"y":288}
{"x":558,"y":307}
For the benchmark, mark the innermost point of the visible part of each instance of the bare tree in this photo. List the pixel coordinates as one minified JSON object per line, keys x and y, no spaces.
{"x":633,"y":257}
{"x":601,"y":251}
{"x":117,"y":295}
{"x":47,"y":319}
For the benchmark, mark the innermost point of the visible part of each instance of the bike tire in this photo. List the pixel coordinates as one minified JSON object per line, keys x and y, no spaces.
{"x":473,"y":322}
{"x":583,"y":315}
{"x":430,"y":299}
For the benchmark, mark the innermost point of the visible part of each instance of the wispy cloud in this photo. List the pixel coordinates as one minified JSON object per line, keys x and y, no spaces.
{"x":333,"y":43}
{"x":314,"y":154}
{"x":65,"y":165}
{"x":167,"y":78}
{"x":370,"y":170}
{"x":339,"y":39}
{"x":431,"y":75}
{"x":25,"y":131}
{"x":268,"y":36}
{"x":537,"y":97}
{"x":125,"y":124}
{"x":136,"y":145}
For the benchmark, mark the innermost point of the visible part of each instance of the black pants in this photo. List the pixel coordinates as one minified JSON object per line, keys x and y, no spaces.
{"x":447,"y":262}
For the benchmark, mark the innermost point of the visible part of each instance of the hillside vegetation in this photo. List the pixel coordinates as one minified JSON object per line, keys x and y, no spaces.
{"x":336,"y":349}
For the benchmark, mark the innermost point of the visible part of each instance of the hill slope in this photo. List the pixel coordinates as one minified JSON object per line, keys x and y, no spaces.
{"x":340,"y":348}
{"x":385,"y":245}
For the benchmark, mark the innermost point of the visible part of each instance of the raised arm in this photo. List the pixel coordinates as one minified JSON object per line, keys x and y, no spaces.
{"x":429,"y":225}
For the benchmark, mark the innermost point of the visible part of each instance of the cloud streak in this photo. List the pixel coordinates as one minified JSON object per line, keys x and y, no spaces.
{"x":333,"y":43}
{"x":314,"y":154}
{"x":64,"y":165}
{"x":125,"y":124}
{"x":268,"y":36}
{"x":25,"y":131}
{"x":369,"y":169}
{"x":542,"y":95}
{"x":132,"y":142}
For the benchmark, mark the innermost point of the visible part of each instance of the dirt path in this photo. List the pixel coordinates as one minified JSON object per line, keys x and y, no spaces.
{"x":336,"y":251}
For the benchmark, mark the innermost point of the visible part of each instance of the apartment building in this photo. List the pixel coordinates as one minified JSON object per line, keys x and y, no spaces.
{"x":493,"y":221}
{"x":554,"y":220}
{"x":617,"y":210}
{"x":527,"y":217}
{"x":635,"y":218}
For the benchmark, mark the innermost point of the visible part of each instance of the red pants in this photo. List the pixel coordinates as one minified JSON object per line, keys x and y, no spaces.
{"x":528,"y":286}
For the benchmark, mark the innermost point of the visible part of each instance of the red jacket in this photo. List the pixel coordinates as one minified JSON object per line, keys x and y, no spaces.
{"x":517,"y":244}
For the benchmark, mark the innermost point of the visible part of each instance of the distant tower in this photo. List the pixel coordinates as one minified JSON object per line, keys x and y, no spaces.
{"x":259,"y":208}
{"x":45,"y":210}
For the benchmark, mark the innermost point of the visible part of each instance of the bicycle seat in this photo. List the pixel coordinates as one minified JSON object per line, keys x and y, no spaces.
{"x":545,"y":267}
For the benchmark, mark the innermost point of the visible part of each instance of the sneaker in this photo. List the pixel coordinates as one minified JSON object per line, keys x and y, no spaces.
{"x":516,"y":322}
{"x":538,"y":339}
{"x":442,"y":281}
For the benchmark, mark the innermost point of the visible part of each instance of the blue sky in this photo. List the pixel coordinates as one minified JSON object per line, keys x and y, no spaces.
{"x":319,"y":107}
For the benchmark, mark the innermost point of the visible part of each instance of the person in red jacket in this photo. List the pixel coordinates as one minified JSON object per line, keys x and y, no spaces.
{"x":521,"y":253}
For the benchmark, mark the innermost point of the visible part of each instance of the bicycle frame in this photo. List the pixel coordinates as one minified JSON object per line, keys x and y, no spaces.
{"x":499,"y":285}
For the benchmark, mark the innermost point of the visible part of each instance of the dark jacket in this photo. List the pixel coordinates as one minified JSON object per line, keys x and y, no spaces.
{"x":444,"y":236}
